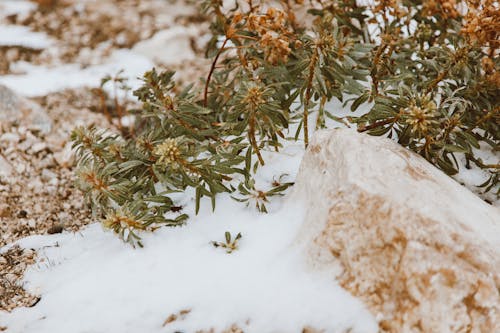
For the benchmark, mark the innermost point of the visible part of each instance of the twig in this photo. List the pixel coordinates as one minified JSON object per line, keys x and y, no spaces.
{"x":212,"y":68}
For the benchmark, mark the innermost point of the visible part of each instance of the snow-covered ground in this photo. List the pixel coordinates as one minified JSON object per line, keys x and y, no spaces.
{"x":92,"y":282}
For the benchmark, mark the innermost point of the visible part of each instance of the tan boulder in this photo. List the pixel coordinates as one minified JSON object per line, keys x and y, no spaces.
{"x":419,"y":249}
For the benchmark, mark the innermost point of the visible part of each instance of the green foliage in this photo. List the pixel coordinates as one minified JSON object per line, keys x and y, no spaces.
{"x":229,"y":244}
{"x":249,"y":194}
{"x":429,"y":77}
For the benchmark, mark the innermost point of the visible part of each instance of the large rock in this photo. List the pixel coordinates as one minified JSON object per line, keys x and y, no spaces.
{"x":422,"y":251}
{"x":16,"y":109}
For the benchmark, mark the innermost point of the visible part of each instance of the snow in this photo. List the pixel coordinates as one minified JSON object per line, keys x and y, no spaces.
{"x":73,"y":76}
{"x":167,"y":45}
{"x":13,"y":35}
{"x":92,"y":282}
{"x":15,"y":7}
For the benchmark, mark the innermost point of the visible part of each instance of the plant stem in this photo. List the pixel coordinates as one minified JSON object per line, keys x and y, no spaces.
{"x":253,"y":141}
{"x":212,"y":68}
{"x":312,"y":67}
{"x":378,"y":124}
{"x":320,"y":122}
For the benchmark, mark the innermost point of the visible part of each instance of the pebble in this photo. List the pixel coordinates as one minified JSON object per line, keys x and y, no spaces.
{"x":48,"y":175}
{"x":55,"y":229}
{"x":9,"y":151}
{"x":46,"y":163}
{"x":22,"y":214}
{"x":37,"y":208}
{"x":22,"y":130}
{"x":10,"y":137}
{"x":65,"y":157}
{"x":11,"y":277}
{"x":25,"y":145}
{"x":5,"y":167}
{"x":38,"y":147}
{"x":5,"y":210}
{"x":20,"y":168}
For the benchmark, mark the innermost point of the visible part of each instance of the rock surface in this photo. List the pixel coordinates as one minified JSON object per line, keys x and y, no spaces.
{"x":16,"y":109}
{"x":422,"y":251}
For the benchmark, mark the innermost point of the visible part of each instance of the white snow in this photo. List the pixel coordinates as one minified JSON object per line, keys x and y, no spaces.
{"x":41,"y":80}
{"x":14,"y":35}
{"x":15,"y":7}
{"x":169,"y":45}
{"x":92,"y":282}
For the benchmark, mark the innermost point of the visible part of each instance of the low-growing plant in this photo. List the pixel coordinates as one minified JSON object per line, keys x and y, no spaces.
{"x":427,"y":70}
{"x":229,"y":244}
{"x":251,"y":195}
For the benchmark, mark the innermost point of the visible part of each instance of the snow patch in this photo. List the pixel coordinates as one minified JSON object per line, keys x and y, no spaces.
{"x":41,"y":80}
{"x":15,"y":7}
{"x":92,"y":282}
{"x":14,"y":35}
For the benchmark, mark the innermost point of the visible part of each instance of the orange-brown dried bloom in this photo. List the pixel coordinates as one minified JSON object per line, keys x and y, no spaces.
{"x":272,"y":31}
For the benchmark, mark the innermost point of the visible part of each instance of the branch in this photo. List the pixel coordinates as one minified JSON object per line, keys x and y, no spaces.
{"x":212,"y":68}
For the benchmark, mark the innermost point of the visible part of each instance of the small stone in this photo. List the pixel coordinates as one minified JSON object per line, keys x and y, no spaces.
{"x":20,"y":168}
{"x":22,"y":214}
{"x":10,"y":277}
{"x":54,"y":182}
{"x":38,"y":147}
{"x":23,"y":131}
{"x":5,"y":167}
{"x":31,"y":223}
{"x":10,"y":137}
{"x":25,"y":145}
{"x":38,"y":208}
{"x":3,"y":261}
{"x":47,"y":163}
{"x":65,"y":157}
{"x":48,"y":175}
{"x":5,"y":210}
{"x":9,"y":151}
{"x":56,"y":229}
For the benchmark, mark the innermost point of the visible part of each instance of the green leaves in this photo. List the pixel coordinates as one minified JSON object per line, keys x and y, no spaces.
{"x":229,"y":244}
{"x":430,"y":88}
{"x":249,"y":194}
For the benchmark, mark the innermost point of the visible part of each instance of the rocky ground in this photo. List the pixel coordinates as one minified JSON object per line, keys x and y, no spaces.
{"x":37,"y":175}
{"x":37,"y":184}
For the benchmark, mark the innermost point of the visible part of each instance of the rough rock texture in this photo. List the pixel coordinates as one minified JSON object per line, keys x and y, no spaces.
{"x":16,"y":109}
{"x":422,"y":251}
